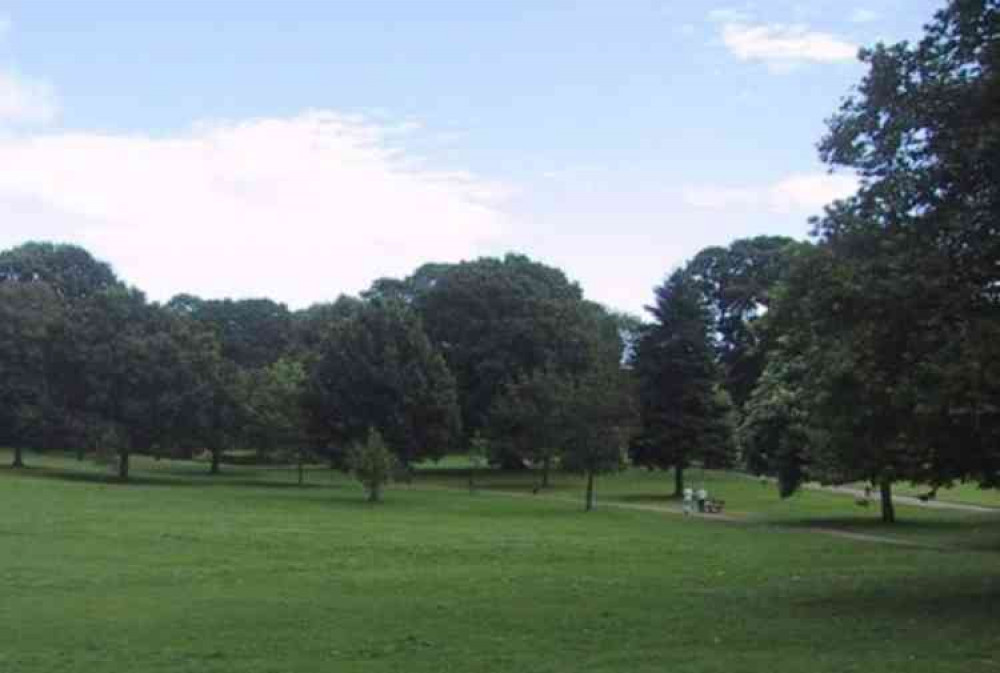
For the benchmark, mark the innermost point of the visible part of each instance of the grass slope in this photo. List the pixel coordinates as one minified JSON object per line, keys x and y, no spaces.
{"x":248,"y":573}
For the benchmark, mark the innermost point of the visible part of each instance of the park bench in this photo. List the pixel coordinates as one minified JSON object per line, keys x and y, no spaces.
{"x":714,"y":506}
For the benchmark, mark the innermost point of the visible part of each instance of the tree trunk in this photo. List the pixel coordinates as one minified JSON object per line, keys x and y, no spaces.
{"x":123,"y":464}
{"x":678,"y":481}
{"x":79,"y":454}
{"x":591,"y":498}
{"x":216,"y":461}
{"x":18,"y":458}
{"x":375,"y":492}
{"x":546,"y":464}
{"x":302,"y":476}
{"x":888,"y":509}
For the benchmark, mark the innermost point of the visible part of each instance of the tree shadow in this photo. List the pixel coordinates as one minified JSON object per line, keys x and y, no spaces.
{"x":169,"y":478}
{"x":648,"y":498}
{"x":944,"y":599}
{"x":975,"y":532}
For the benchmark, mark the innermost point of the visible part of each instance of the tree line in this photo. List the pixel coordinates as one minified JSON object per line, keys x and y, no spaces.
{"x":870,"y":353}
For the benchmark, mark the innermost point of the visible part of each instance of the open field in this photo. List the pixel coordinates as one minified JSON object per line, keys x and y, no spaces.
{"x":247,"y":572}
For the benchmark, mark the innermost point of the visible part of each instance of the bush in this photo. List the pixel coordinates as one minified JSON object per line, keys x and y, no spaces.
{"x":372,"y":464}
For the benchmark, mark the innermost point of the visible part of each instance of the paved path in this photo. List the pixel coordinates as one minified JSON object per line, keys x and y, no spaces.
{"x":728,"y":518}
{"x":899,"y":499}
{"x":906,"y":499}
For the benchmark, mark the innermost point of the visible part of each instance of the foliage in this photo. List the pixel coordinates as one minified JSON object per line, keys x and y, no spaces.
{"x":599,"y":418}
{"x":895,"y":315}
{"x":372,"y":464}
{"x":737,"y":283}
{"x":684,"y":415}
{"x":377,"y":369}
{"x":497,"y":320}
{"x":70,"y":271}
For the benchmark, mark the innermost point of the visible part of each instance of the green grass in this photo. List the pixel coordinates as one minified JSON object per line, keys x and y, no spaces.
{"x":247,"y":573}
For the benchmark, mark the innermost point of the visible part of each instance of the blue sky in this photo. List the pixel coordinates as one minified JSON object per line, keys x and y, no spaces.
{"x":301,"y":149}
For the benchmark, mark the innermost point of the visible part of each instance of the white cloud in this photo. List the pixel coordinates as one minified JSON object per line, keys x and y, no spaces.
{"x":800,"y":193}
{"x":299,"y":209}
{"x":782,"y":46}
{"x":863,"y":16}
{"x":25,"y":100}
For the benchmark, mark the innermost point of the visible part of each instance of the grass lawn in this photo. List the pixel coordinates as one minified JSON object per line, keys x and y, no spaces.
{"x":248,"y":573}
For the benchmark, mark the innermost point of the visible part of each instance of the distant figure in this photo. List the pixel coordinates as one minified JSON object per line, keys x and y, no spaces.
{"x":702,"y":496}
{"x":688,"y":500}
{"x":930,"y":495}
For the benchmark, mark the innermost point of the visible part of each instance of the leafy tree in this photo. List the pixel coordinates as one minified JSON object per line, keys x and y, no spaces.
{"x":70,"y":271}
{"x":598,"y":419}
{"x":379,"y":370}
{"x":896,"y":312}
{"x":253,"y":332}
{"x":142,"y":372}
{"x":495,"y":320}
{"x":276,"y":410}
{"x":526,"y":418}
{"x":30,"y":313}
{"x":372,"y":464}
{"x":683,"y":415}
{"x":738,"y":283}
{"x":774,"y":434}
{"x":479,"y":451}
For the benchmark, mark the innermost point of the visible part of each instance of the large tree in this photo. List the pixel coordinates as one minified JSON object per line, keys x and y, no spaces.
{"x":684,"y":414}
{"x":30,"y":316}
{"x":897,"y":312}
{"x":253,"y":332}
{"x":738,"y":283}
{"x":379,"y":370}
{"x":70,"y":271}
{"x":497,"y":320}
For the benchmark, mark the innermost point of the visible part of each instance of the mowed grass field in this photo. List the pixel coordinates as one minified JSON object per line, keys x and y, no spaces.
{"x":247,"y":572}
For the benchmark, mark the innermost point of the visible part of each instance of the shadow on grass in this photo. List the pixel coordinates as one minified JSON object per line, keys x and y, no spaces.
{"x":648,"y":498}
{"x":973,"y":533}
{"x":168,"y":478}
{"x":946,"y":600}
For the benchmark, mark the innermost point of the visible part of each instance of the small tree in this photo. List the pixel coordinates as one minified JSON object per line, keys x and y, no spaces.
{"x":372,"y":464}
{"x":598,"y":419}
{"x":479,"y":450}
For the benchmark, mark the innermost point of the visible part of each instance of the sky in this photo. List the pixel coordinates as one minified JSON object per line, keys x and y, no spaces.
{"x":299,"y":150}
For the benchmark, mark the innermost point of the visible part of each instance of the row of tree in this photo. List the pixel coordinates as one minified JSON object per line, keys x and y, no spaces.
{"x":428,"y":362}
{"x":872,"y":353}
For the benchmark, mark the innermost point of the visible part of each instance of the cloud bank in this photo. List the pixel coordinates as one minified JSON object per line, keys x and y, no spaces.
{"x":293,"y":208}
{"x":801,"y":193}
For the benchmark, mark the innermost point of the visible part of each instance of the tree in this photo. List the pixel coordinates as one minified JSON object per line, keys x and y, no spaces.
{"x":479,"y":451}
{"x":276,"y":410}
{"x":684,"y":415}
{"x":30,"y":314}
{"x":737,"y":283}
{"x":526,"y":418}
{"x":774,"y":434}
{"x":598,"y":418}
{"x":253,"y":332}
{"x":379,"y":370}
{"x":495,"y":320}
{"x":141,"y":374}
{"x":895,"y":312}
{"x":70,"y":271}
{"x":372,"y":464}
